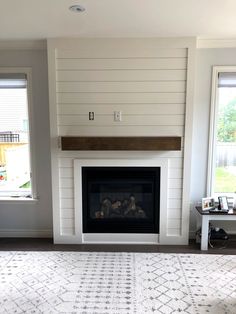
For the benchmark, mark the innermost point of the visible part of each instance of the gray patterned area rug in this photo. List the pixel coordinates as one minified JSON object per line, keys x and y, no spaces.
{"x":116,"y":283}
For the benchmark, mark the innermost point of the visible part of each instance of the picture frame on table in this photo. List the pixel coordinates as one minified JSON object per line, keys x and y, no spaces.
{"x":208,"y":203}
{"x":223,"y":203}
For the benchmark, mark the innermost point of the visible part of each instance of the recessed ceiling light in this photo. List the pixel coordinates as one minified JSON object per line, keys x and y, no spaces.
{"x":77,"y":8}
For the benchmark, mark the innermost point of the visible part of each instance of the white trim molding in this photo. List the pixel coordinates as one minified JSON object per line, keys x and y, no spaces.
{"x":54,"y":142}
{"x":119,"y":238}
{"x":188,"y":141}
{"x":212,"y":129}
{"x":18,"y":200}
{"x":28,"y":72}
{"x":205,"y":43}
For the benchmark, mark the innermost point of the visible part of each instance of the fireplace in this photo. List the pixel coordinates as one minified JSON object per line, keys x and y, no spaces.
{"x":121,"y":199}
{"x":145,"y":183}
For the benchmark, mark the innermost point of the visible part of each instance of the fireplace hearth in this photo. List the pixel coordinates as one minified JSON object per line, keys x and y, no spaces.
{"x":121,"y":199}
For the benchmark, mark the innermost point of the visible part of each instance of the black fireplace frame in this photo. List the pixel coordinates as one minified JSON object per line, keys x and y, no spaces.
{"x":121,"y":225}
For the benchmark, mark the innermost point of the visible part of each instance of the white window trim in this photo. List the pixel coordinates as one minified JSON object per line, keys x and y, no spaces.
{"x":212,"y":129}
{"x":28,"y":72}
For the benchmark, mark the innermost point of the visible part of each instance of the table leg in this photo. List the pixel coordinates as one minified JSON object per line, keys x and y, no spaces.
{"x":205,"y":229}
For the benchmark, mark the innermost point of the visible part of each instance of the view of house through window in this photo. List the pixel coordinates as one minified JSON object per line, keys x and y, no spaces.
{"x":14,"y":136}
{"x":225,"y":153}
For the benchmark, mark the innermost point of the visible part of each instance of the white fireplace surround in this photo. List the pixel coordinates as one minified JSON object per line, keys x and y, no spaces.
{"x":120,"y":238}
{"x":120,"y":74}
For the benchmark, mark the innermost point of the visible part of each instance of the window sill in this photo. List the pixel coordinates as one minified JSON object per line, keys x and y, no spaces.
{"x":21,"y":200}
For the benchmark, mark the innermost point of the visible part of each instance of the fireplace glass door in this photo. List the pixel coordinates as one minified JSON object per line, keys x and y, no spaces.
{"x":121,"y":199}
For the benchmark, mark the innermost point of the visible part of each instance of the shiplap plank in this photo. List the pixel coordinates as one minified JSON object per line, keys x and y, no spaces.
{"x":67,"y":193}
{"x":65,"y":162}
{"x":119,"y":130}
{"x":175,"y":193}
{"x":114,"y":98}
{"x":174,"y":232}
{"x":66,"y":203}
{"x":66,"y":172}
{"x":122,"y":87}
{"x":67,"y":231}
{"x":140,"y":109}
{"x":67,"y":213}
{"x":175,"y":183}
{"x":174,"y":213}
{"x":122,"y":64}
{"x":131,"y":120}
{"x":121,"y":75}
{"x":67,"y":223}
{"x":175,"y":173}
{"x":66,"y":183}
{"x":147,"y":51}
{"x":174,"y":203}
{"x":174,"y":223}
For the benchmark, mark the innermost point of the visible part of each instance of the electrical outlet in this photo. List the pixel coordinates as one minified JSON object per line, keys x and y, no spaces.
{"x":91,"y":115}
{"x":117,"y":116}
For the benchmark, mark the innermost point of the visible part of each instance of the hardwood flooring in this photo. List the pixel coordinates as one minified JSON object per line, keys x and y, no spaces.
{"x":43,"y":244}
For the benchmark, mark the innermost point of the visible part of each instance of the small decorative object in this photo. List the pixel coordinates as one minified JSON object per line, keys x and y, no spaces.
{"x":208,"y":203}
{"x":223,"y":203}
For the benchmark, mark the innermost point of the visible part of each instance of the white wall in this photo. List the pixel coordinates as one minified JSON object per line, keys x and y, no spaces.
{"x":34,"y":219}
{"x":206,"y":59}
{"x":39,"y":216}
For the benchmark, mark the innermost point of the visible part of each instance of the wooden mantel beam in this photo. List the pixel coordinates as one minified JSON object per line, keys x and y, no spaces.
{"x":121,"y":143}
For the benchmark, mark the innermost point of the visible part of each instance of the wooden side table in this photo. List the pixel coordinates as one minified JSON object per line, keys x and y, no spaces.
{"x":206,"y":217}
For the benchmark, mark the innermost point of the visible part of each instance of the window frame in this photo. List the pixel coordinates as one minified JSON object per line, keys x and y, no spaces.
{"x":27,"y":71}
{"x":212,"y":129}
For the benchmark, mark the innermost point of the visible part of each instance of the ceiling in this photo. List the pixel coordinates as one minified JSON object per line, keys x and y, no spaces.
{"x":31,"y":19}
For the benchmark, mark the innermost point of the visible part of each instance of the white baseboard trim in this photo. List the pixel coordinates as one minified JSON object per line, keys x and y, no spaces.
{"x":66,"y":239}
{"x":25,"y":233}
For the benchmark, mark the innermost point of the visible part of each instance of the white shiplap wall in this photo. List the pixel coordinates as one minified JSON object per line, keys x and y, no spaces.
{"x":145,"y":80}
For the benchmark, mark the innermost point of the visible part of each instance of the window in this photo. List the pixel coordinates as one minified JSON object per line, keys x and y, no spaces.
{"x":15,"y":165}
{"x":222,"y":141}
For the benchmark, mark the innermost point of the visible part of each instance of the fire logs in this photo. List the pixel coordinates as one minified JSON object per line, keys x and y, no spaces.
{"x":126,"y":208}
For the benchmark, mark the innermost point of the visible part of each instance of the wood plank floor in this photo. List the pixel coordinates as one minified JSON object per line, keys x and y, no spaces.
{"x":43,"y":244}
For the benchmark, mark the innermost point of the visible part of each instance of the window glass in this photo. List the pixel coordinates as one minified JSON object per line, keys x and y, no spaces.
{"x":225,"y":147}
{"x":14,"y":139}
